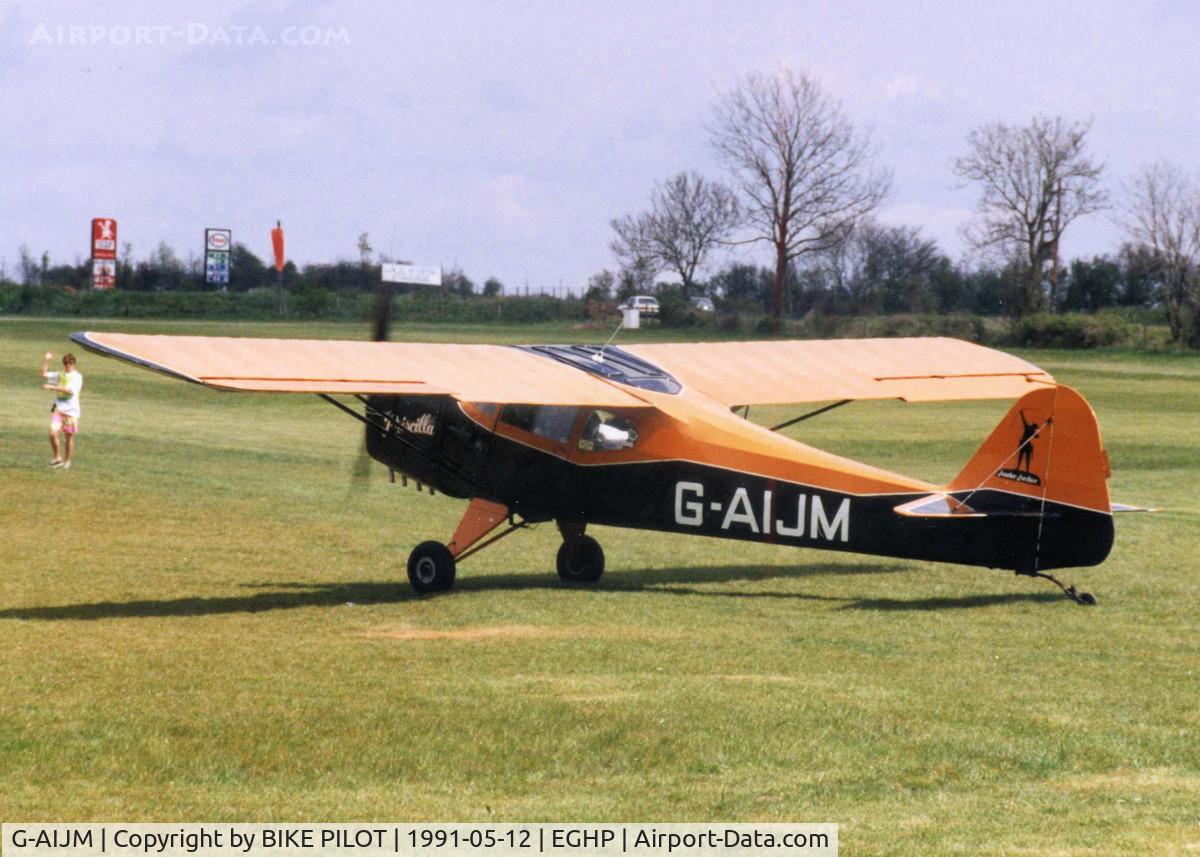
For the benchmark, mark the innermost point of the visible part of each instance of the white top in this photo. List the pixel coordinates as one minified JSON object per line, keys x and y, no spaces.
{"x":66,"y":403}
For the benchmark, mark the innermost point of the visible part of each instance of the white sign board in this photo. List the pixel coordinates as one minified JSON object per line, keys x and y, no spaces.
{"x":420,"y":275}
{"x":220,"y":240}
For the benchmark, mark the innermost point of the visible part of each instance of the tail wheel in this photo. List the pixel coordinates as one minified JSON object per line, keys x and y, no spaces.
{"x":431,"y":567}
{"x":581,"y":560}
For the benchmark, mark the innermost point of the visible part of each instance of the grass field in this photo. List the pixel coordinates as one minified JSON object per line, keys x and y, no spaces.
{"x":204,"y":620}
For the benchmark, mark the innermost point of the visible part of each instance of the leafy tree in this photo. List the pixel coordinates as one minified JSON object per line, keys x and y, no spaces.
{"x":993,"y":290}
{"x":1092,"y":285}
{"x":247,"y":271}
{"x":740,"y":283}
{"x":882,"y":268}
{"x":456,"y":282}
{"x":1140,"y":279}
{"x":75,"y":276}
{"x":492,"y":287}
{"x":948,"y":287}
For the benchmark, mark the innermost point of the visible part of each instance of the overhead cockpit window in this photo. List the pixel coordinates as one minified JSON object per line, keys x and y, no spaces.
{"x":553,"y":422}
{"x":605,"y":431}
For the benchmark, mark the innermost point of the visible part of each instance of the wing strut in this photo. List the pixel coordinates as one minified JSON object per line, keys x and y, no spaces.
{"x":809,"y":415}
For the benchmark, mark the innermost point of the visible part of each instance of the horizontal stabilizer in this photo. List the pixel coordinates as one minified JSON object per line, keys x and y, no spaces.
{"x":945,"y":506}
{"x":937,"y":506}
{"x":1122,"y":507}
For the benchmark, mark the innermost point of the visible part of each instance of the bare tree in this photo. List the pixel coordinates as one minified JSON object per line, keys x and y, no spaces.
{"x":805,"y":174}
{"x":689,"y":217}
{"x":1162,"y":213}
{"x":30,"y":273}
{"x":883,"y":268}
{"x":1036,"y":180}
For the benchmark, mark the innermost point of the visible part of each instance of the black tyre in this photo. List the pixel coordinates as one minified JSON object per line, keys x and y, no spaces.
{"x":431,"y":567}
{"x":581,"y":560}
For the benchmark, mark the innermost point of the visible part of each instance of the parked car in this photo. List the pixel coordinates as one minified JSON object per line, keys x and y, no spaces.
{"x":644,"y":304}
{"x":703,"y":304}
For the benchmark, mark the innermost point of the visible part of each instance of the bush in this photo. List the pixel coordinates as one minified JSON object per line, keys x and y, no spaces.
{"x":674,"y":310}
{"x":312,"y":302}
{"x":1069,"y":331}
{"x":730,"y":322}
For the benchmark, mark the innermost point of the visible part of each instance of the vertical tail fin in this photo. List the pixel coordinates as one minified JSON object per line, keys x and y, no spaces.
{"x":1045,"y":461}
{"x":1047,"y":447}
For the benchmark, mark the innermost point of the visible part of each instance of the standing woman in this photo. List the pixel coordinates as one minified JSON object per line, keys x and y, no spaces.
{"x":64,"y":415}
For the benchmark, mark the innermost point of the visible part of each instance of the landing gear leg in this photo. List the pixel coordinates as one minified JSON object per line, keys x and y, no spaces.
{"x":1076,"y":595}
{"x":580,"y":559}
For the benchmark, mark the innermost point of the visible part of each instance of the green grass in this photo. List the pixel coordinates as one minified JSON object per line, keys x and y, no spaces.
{"x":204,"y":621}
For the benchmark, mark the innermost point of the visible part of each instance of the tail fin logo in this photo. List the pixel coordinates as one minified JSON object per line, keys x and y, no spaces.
{"x":1031,"y":437}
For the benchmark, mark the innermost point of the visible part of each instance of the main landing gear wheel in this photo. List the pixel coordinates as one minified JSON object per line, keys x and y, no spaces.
{"x":431,"y":567}
{"x":580,"y":560}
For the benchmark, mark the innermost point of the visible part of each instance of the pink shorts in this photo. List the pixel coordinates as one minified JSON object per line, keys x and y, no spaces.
{"x":63,"y":423}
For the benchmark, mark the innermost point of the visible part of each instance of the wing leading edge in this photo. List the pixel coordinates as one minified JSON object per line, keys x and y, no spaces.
{"x":470,"y":373}
{"x":917,"y":369}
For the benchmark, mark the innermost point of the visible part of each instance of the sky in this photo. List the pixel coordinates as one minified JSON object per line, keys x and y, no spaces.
{"x":502,"y":137}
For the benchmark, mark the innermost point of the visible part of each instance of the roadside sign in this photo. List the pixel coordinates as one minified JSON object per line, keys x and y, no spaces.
{"x":418,"y":275}
{"x":104,"y":238}
{"x":218,"y":239}
{"x":104,"y":253}
{"x":217,"y":245}
{"x":104,"y":273}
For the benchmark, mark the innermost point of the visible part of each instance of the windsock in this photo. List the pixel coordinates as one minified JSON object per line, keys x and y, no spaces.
{"x":277,"y":245}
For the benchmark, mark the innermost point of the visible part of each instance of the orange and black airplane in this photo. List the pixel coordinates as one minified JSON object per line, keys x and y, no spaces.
{"x":651,"y":437}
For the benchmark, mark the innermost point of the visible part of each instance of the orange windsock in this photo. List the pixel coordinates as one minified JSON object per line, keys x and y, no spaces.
{"x":277,"y":245}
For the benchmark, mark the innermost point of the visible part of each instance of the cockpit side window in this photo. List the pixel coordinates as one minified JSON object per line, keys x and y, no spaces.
{"x":605,"y":431}
{"x":553,"y":422}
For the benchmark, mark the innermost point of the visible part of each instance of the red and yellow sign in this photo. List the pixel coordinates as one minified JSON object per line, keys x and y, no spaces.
{"x":104,"y":253}
{"x":104,"y":238}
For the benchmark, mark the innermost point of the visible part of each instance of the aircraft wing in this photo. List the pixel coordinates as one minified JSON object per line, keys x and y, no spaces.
{"x":471,"y":373}
{"x":774,"y":372}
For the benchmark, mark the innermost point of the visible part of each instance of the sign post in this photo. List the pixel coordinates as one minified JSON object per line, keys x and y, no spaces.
{"x":104,"y":253}
{"x":218,"y":243}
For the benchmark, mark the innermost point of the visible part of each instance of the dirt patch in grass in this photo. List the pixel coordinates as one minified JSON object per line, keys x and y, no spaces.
{"x":1157,"y":779}
{"x":474,"y":634}
{"x":771,"y":678}
{"x":484,"y":633}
